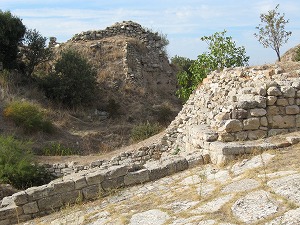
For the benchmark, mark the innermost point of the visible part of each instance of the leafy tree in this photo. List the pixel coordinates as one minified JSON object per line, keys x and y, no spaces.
{"x":73,"y":82}
{"x":222,"y":53}
{"x":271,"y":33}
{"x":12,"y":32}
{"x":34,"y":50}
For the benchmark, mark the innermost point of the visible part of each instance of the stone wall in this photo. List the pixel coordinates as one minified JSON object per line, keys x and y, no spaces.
{"x":87,"y":185}
{"x":241,"y":104}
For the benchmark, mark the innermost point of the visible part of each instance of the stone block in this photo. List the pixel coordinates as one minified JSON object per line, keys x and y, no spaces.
{"x":50,"y":203}
{"x":273,"y":132}
{"x":92,"y":192}
{"x":282,"y":122}
{"x":297,"y":101}
{"x":112,"y":184}
{"x":298,"y":120}
{"x":291,"y":101}
{"x":272,"y":110}
{"x":95,"y":177}
{"x":137,"y":177}
{"x":35,"y":193}
{"x":241,"y":136}
{"x":71,"y":197}
{"x":11,"y":211}
{"x":258,"y":112}
{"x":231,"y":126}
{"x":194,"y":160}
{"x":271,"y":100}
{"x":20,"y":198}
{"x":257,"y":134}
{"x":156,"y":170}
{"x":239,"y":114}
{"x":79,"y":181}
{"x":30,"y":208}
{"x":226,"y":137}
{"x":282,"y":102}
{"x":274,"y":91}
{"x":264,"y":121}
{"x":175,"y":164}
{"x":63,"y":186}
{"x":251,"y":124}
{"x":288,"y":92}
{"x":116,"y":171}
{"x":292,"y":109}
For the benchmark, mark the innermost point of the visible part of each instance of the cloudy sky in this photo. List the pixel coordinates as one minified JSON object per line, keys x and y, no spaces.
{"x":184,"y":22}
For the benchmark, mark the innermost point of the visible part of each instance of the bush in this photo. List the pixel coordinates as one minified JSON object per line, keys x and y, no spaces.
{"x":163,"y":114}
{"x":144,"y":131}
{"x":28,"y":116}
{"x":113,"y":108}
{"x":59,"y":150}
{"x":17,"y":167}
{"x":74,"y":81}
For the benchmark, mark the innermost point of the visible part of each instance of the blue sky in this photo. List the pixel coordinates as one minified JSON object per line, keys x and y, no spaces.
{"x":184,"y":22}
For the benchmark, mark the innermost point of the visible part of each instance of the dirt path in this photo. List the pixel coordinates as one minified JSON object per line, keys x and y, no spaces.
{"x":84,"y":160}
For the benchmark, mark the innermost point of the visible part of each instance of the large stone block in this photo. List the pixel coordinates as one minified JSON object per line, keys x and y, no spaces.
{"x":272,"y":110}
{"x":116,"y":171}
{"x":156,"y":170}
{"x":50,"y":203}
{"x":258,"y":112}
{"x":30,"y":208}
{"x":282,"y":102}
{"x":95,"y":177}
{"x":292,"y":109}
{"x":63,"y":186}
{"x":35,"y":193}
{"x":282,"y":122}
{"x":257,"y":134}
{"x":175,"y":164}
{"x":136,"y":177}
{"x":271,"y":100}
{"x":92,"y":192}
{"x":112,"y":184}
{"x":231,"y":126}
{"x":251,"y":124}
{"x":288,"y":92}
{"x":239,"y":114}
{"x":274,"y":91}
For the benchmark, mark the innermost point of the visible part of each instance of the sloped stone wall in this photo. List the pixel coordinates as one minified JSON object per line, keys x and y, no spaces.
{"x":240,"y":104}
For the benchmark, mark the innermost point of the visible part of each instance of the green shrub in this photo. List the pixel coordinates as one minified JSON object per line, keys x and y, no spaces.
{"x":28,"y":116}
{"x":74,"y":81}
{"x":59,"y":150}
{"x":17,"y":167}
{"x":113,"y":108}
{"x":144,"y":131}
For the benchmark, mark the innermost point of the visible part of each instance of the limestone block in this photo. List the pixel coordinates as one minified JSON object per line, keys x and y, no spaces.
{"x":116,"y":171}
{"x":271,"y":100}
{"x":281,"y":122}
{"x":297,"y":120}
{"x":112,"y":184}
{"x":137,"y":177}
{"x":282,"y":102}
{"x":156,"y":170}
{"x":30,"y":208}
{"x":92,"y":192}
{"x":20,"y":198}
{"x":251,"y":124}
{"x":10,"y":211}
{"x":264,"y":121}
{"x":272,"y":110}
{"x":241,"y":136}
{"x":63,"y":186}
{"x":71,"y":197}
{"x":273,"y":132}
{"x":95,"y":177}
{"x":258,"y":112}
{"x":194,"y":160}
{"x":288,"y":92}
{"x":35,"y":193}
{"x":50,"y":203}
{"x":232,"y":126}
{"x":257,"y":134}
{"x":239,"y":114}
{"x":297,"y":101}
{"x":292,"y":109}
{"x":274,"y":91}
{"x":79,"y":181}
{"x":175,"y":164}
{"x":291,"y":101}
{"x":226,"y":137}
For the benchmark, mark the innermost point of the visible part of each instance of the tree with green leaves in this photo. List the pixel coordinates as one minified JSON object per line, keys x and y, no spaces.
{"x":271,"y":31}
{"x":222,"y":53}
{"x":12,"y":31}
{"x":73,"y":82}
{"x":35,"y":50}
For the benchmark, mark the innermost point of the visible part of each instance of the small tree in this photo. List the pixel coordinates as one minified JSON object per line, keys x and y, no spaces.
{"x":222,"y":53}
{"x":34,"y":50}
{"x":271,"y":33}
{"x":74,"y":81}
{"x":12,"y":32}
